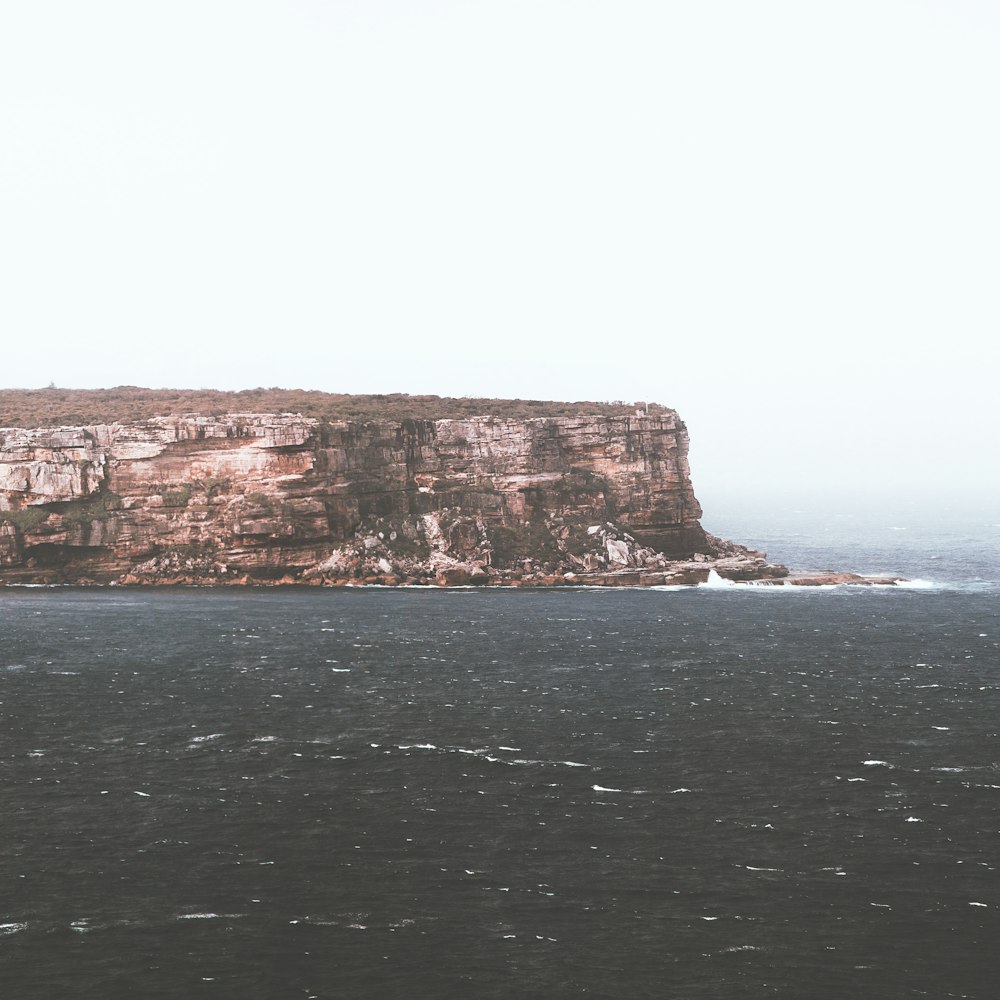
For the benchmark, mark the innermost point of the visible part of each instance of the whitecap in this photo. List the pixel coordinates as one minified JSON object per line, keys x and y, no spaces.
{"x":876,"y":763}
{"x":750,"y":868}
{"x":917,"y":584}
{"x":12,"y":928}
{"x":978,"y":904}
{"x":678,"y":791}
{"x":601,"y":788}
{"x":913,"y":819}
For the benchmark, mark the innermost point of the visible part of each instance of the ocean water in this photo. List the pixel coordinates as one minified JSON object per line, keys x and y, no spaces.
{"x":705,"y":793}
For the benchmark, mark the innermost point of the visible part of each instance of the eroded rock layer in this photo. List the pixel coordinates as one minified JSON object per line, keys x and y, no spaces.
{"x":252,"y":497}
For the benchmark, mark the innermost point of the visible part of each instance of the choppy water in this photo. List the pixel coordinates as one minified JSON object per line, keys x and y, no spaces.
{"x":378,"y":794}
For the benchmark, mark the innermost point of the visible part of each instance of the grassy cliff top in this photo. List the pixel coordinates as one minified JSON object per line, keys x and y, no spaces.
{"x":68,"y":407}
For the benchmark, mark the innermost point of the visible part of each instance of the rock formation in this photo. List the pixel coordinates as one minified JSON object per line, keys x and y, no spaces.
{"x":282,"y":498}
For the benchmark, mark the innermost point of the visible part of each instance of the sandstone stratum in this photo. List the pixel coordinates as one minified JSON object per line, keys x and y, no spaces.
{"x":601,"y":498}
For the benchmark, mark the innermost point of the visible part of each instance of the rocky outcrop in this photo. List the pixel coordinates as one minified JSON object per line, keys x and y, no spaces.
{"x":281,"y":498}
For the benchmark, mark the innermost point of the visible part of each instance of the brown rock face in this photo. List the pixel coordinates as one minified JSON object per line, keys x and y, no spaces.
{"x":284,"y":498}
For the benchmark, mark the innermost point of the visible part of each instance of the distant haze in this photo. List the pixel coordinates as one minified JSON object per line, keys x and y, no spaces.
{"x":780,"y":218}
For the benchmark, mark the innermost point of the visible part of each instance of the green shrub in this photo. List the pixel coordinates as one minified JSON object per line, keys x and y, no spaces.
{"x":178,"y":497}
{"x":261,"y":502}
{"x":26,"y":520}
{"x":96,"y":507}
{"x":213,"y":484}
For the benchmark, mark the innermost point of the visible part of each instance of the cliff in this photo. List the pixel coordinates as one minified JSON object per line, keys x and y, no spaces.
{"x":279,"y":497}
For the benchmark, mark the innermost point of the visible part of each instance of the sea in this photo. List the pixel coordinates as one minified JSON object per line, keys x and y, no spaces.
{"x":712,"y":792}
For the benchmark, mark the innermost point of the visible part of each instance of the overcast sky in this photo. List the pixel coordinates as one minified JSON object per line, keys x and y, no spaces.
{"x":782,"y":218}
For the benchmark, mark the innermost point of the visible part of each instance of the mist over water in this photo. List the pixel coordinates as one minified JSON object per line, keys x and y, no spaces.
{"x":719,"y":793}
{"x":950,"y":542}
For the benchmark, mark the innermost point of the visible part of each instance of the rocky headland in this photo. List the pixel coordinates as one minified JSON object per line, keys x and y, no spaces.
{"x":598,"y":499}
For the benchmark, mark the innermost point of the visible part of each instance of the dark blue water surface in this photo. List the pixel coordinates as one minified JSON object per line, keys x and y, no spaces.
{"x":375,"y":794}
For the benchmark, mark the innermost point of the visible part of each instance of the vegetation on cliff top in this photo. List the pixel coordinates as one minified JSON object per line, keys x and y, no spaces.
{"x":68,"y":407}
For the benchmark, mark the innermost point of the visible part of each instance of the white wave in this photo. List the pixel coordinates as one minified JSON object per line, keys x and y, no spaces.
{"x":750,"y":868}
{"x":601,"y":788}
{"x":264,"y":739}
{"x":876,"y":763}
{"x":917,"y":584}
{"x":12,"y":928}
{"x":145,"y":795}
{"x":416,"y":746}
{"x":949,"y":770}
{"x":715,"y":581}
{"x":913,"y":819}
{"x":678,"y":791}
{"x":205,"y":739}
{"x":979,"y":904}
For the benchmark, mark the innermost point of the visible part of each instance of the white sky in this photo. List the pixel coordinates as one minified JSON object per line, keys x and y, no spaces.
{"x":782,"y":218}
